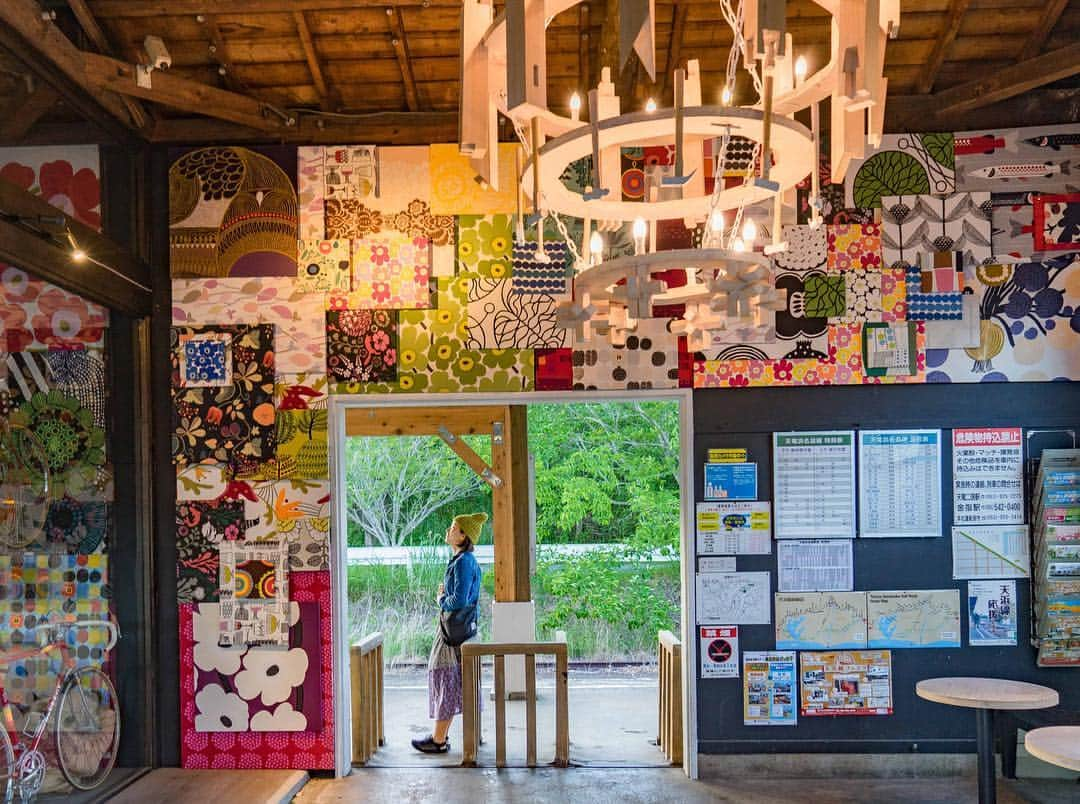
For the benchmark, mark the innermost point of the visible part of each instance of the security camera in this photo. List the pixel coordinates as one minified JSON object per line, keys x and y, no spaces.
{"x":159,"y":55}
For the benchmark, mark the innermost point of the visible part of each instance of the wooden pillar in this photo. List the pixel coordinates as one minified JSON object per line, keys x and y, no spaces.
{"x":510,"y":508}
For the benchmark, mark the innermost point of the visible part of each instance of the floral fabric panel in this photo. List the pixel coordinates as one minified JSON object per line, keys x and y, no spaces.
{"x":251,"y":748}
{"x":807,"y":250}
{"x":455,"y":191}
{"x":361,"y":345}
{"x":76,"y":526}
{"x":392,"y":271}
{"x":499,"y":318}
{"x":1018,"y":160}
{"x":531,"y":276}
{"x":38,"y":315}
{"x":311,"y":203}
{"x":322,"y":265}
{"x":1029,"y":328}
{"x":253,"y":589}
{"x":854,"y":247}
{"x":80,"y":374}
{"x":37,"y":588}
{"x":66,"y":176}
{"x":232,"y":212}
{"x":914,"y":225}
{"x":297,"y":316}
{"x":302,"y":443}
{"x":231,"y":424}
{"x":404,"y":177}
{"x":293,"y":511}
{"x":1056,"y":221}
{"x":201,"y":527}
{"x":205,"y":359}
{"x":904,"y":164}
{"x":650,"y":359}
{"x":862,"y":293}
{"x":485,"y":245}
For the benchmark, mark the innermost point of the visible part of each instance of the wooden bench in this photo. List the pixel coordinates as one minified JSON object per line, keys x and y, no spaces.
{"x":1008,"y":722}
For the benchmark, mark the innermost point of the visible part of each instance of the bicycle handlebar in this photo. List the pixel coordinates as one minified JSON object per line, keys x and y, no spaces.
{"x":114,"y":630}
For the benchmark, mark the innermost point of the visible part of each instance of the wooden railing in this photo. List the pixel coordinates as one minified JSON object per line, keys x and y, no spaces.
{"x":471,"y":694}
{"x":669,"y":735}
{"x":366,"y":667}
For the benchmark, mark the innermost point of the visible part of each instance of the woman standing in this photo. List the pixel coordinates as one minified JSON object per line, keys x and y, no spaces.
{"x":459,"y":591}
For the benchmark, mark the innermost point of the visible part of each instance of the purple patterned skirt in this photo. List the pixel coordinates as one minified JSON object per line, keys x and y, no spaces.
{"x":444,"y":679}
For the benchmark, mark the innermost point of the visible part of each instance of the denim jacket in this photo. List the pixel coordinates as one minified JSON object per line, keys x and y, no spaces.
{"x":461,"y":585}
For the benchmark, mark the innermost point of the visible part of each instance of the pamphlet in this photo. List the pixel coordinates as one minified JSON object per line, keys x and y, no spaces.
{"x":769,"y":688}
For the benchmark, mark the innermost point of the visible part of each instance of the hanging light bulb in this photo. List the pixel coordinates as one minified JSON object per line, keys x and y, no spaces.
{"x":725,"y":96}
{"x":800,"y":69}
{"x":738,"y":245}
{"x":749,"y":231}
{"x":78,"y":255}
{"x":716,"y":221}
{"x":639,"y":231}
{"x":575,"y":107}
{"x":596,"y":246}
{"x":650,"y":106}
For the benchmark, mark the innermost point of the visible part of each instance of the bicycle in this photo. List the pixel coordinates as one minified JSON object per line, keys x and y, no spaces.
{"x":86,"y":726}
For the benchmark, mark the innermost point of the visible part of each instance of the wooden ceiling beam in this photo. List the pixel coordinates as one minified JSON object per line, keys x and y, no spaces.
{"x":1037,"y":40}
{"x":181,"y":93}
{"x":54,"y":60}
{"x":401,"y":50}
{"x":219,"y":52}
{"x":108,"y":9}
{"x":312,"y":58}
{"x":379,"y":128}
{"x":953,"y":17}
{"x":85,"y":17}
{"x":32,"y":106}
{"x":1037,"y":107}
{"x":585,"y":69}
{"x":680,"y":11}
{"x":1009,"y":81}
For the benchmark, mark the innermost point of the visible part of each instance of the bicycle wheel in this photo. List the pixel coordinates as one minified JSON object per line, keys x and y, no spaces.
{"x":24,"y":487}
{"x":87,"y":728}
{"x":7,"y":767}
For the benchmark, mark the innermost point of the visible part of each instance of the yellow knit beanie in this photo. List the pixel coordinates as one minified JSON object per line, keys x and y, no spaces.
{"x":471,"y":524}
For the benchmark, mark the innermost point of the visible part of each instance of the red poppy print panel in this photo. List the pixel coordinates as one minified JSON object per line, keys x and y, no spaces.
{"x":361,"y":345}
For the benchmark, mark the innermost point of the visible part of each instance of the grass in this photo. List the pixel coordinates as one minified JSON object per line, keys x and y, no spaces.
{"x":399,"y":601}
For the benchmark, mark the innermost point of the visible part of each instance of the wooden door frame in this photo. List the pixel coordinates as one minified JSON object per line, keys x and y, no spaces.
{"x":338,"y":407}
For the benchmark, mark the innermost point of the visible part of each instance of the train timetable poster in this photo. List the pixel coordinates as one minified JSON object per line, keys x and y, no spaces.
{"x":850,"y":682}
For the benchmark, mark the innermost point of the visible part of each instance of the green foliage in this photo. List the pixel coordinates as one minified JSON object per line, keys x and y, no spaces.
{"x":888,"y":173}
{"x":941,"y":147}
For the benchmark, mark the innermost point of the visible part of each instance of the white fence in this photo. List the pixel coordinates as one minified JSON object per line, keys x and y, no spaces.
{"x":485,"y":553}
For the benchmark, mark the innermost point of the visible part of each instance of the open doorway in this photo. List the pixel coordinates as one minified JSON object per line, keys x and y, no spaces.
{"x":608,"y":519}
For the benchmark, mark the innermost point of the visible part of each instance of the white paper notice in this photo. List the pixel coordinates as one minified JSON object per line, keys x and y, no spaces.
{"x":814,"y":485}
{"x":988,"y":486}
{"x":899,"y":483}
{"x":990,"y":551}
{"x":716,"y":564}
{"x":814,"y":565}
{"x":734,"y":597}
{"x":733,"y":528}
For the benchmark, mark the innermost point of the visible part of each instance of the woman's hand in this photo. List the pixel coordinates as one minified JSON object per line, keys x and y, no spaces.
{"x":438,"y":597}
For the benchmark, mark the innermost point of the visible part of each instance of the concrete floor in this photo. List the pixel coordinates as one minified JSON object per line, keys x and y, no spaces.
{"x":612,"y":721}
{"x":651,"y":785}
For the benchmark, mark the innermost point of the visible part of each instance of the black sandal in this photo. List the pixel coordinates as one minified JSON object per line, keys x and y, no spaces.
{"x":429,"y":746}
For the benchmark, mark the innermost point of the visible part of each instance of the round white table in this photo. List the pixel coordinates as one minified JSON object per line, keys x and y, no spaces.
{"x":1058,"y":745}
{"x":984,"y":695}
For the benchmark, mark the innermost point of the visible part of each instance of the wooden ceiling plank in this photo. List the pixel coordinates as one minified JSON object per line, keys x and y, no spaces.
{"x":1033,"y":108}
{"x":100,"y":40}
{"x":953,"y":17}
{"x":380,"y":128}
{"x":219,"y":52}
{"x":166,"y":8}
{"x":1050,"y":16}
{"x":304,"y":32}
{"x":32,"y":107}
{"x":678,"y":28}
{"x":180,"y":93}
{"x":55,"y":61}
{"x":1009,"y":81}
{"x":585,"y":76}
{"x":401,"y":50}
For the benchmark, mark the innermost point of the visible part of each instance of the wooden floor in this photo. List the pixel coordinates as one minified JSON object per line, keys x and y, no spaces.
{"x":177,"y":786}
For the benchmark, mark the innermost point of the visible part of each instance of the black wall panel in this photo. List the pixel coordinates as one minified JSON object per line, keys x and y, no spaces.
{"x":747,"y":418}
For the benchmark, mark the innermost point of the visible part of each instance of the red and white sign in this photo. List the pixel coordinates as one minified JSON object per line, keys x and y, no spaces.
{"x":988,"y":479}
{"x":719,"y":651}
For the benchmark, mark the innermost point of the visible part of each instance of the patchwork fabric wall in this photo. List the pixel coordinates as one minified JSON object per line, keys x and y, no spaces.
{"x":362,"y":270}
{"x":54,"y":547}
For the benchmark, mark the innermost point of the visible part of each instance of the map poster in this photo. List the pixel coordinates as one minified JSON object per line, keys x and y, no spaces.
{"x":814,"y":485}
{"x":741,"y":598}
{"x":734,"y":528}
{"x":988,"y":480}
{"x":857,"y":682}
{"x":913,"y":619}
{"x":990,"y":551}
{"x":991,"y":613}
{"x":719,"y":651}
{"x":769,"y":688}
{"x":731,"y":481}
{"x":821,"y":620}
{"x":815,"y":565}
{"x":899,"y":483}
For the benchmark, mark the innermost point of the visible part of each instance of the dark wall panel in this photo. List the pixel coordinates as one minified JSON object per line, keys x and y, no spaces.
{"x":747,"y":418}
